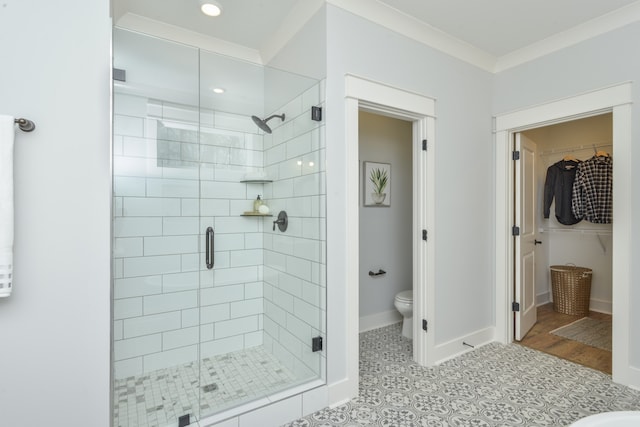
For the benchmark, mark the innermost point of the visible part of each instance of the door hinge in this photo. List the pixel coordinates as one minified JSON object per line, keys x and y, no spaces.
{"x":515,"y":230}
{"x":316,"y":113}
{"x":515,"y":155}
{"x":424,"y":145}
{"x":424,"y":235}
{"x":316,"y":344}
{"x":184,"y":420}
{"x":119,"y":75}
{"x":515,"y":306}
{"x":424,"y":325}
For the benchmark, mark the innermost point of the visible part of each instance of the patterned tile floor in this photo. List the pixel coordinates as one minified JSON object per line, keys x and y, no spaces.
{"x":494,"y":385}
{"x":157,"y":399}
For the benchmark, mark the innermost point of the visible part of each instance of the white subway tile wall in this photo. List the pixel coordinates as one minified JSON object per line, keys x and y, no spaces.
{"x":175,"y":176}
{"x":294,"y":310}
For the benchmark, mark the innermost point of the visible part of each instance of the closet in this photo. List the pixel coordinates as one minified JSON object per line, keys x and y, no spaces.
{"x":585,"y":243}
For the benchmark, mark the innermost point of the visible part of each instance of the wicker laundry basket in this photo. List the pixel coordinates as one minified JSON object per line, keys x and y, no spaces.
{"x":571,"y":288}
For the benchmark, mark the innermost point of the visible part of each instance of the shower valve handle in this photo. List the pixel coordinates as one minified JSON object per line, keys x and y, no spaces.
{"x":282,"y":221}
{"x":277,"y":221}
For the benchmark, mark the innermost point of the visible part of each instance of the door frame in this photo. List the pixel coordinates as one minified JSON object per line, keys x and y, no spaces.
{"x":616,"y":99}
{"x":368,"y":95}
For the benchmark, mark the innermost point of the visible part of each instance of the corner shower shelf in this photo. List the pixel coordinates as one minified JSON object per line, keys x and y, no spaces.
{"x":256,"y":181}
{"x":254,"y":214}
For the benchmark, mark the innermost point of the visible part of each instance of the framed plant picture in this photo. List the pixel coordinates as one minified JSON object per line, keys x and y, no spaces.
{"x":376,"y":186}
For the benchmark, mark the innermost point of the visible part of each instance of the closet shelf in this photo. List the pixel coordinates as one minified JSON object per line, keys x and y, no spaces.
{"x":576,"y":230}
{"x":593,"y":147}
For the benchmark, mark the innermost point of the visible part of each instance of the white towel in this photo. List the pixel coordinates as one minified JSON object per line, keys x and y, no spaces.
{"x":7,"y":132}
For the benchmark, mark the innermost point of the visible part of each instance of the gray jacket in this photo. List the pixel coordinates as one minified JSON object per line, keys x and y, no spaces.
{"x":559,"y":185}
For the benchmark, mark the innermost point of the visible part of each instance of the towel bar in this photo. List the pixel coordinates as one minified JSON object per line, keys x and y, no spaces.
{"x":25,"y":125}
{"x":379,"y":273}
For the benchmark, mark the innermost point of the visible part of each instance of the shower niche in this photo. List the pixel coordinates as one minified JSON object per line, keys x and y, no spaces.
{"x":192,"y":344}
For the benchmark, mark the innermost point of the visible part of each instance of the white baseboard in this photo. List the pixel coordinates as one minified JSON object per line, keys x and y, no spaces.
{"x":455,"y":347}
{"x":342,"y":391}
{"x":629,"y":378}
{"x":601,"y":306}
{"x":544,"y":298}
{"x":379,"y":320}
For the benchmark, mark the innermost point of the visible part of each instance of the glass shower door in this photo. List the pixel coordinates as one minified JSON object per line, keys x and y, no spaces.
{"x":156,"y":228}
{"x":206,"y":321}
{"x":262,"y":302}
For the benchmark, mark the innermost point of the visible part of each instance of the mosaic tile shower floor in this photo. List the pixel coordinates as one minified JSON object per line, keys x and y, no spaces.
{"x":157,"y":399}
{"x":494,"y":385}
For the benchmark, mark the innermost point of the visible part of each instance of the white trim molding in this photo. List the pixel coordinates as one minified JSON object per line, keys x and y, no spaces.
{"x":295,"y":20}
{"x":455,"y":347}
{"x":419,"y":31}
{"x":394,"y":20}
{"x":131,"y":21}
{"x":590,"y":29}
{"x":379,"y":320}
{"x":368,"y":95}
{"x":428,"y":35}
{"x":616,"y":99}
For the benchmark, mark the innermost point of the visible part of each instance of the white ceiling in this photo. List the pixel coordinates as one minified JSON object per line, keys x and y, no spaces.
{"x":495,"y":27}
{"x":243,"y":22}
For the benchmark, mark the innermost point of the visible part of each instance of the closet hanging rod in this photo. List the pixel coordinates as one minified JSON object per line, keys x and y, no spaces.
{"x":574,"y":149}
{"x":25,"y":125}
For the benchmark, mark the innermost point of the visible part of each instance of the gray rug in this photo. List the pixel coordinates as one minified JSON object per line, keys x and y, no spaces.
{"x":593,"y":332}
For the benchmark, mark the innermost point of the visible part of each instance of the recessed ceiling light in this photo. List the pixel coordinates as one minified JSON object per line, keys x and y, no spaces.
{"x":210,"y":8}
{"x":218,"y":90}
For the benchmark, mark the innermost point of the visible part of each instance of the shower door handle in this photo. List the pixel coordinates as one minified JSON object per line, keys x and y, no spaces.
{"x":209,"y":248}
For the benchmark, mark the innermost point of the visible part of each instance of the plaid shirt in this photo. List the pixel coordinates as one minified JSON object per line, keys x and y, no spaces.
{"x":592,"y":197}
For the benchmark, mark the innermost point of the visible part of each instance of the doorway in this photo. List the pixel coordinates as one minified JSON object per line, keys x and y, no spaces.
{"x":577,"y":325}
{"x":386,"y":247}
{"x":617,"y":100}
{"x":378,"y":98}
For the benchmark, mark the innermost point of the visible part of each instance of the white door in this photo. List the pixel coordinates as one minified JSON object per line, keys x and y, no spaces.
{"x":525,"y":241}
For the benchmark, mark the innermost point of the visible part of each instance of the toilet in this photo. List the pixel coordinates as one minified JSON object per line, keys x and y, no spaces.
{"x":404,"y":304}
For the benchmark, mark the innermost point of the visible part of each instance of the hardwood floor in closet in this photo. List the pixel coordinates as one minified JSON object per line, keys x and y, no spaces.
{"x":539,"y":338}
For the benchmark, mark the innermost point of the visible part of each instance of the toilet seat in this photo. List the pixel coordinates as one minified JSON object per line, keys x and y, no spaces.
{"x":405,"y":296}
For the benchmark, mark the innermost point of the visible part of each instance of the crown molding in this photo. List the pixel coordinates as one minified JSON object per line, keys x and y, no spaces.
{"x":407,"y":25}
{"x":295,"y":20}
{"x":131,"y":21}
{"x":404,"y":24}
{"x":394,"y":20}
{"x":590,"y":29}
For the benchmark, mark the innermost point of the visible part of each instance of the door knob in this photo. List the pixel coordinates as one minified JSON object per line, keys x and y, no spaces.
{"x":537,"y":242}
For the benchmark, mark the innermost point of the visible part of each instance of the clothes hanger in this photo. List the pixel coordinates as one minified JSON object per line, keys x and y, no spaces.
{"x":600,"y":153}
{"x":569,"y":158}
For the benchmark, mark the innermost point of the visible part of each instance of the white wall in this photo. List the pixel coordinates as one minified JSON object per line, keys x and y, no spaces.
{"x":306,"y":53}
{"x":385,"y":233}
{"x":600,"y":62}
{"x":54,"y":329}
{"x":463,"y":176}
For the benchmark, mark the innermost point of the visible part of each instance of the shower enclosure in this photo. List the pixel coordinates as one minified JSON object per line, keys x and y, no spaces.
{"x":211,"y":323}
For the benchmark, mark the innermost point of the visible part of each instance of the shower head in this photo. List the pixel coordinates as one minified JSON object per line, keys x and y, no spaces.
{"x":262,"y":124}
